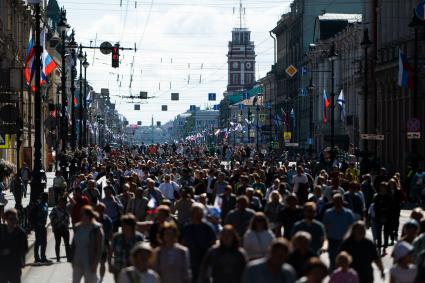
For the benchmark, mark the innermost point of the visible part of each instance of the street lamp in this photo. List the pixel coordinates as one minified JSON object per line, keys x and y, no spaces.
{"x":332,"y":56}
{"x":63,"y":28}
{"x":310,"y":91}
{"x":72,"y":45}
{"x":415,"y":24}
{"x":81,"y":58}
{"x":85,"y":65}
{"x":365,"y":44}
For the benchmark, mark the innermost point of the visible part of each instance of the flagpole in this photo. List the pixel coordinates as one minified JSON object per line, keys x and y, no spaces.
{"x":36,"y":188}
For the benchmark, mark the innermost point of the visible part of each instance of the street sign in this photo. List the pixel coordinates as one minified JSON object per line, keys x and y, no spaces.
{"x":413,"y":125}
{"x":420,"y":10}
{"x":372,"y":137}
{"x":174,"y":96}
{"x":105,"y":47}
{"x":292,"y":144}
{"x":212,"y":96}
{"x":287,"y":136}
{"x":414,"y":135}
{"x":291,"y":70}
{"x":310,"y":141}
{"x":4,"y":141}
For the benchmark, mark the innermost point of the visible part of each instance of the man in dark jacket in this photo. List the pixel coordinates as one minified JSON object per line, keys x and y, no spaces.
{"x":13,"y":247}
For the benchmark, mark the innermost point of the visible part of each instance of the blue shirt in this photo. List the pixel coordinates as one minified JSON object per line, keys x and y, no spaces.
{"x":43,"y":213}
{"x":337,"y":224}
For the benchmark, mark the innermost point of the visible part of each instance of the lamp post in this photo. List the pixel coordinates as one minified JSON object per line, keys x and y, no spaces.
{"x":332,"y":56}
{"x":36,"y":186}
{"x":257,"y":127}
{"x":365,"y":44}
{"x":415,"y":24}
{"x":63,"y":27}
{"x":81,"y":58}
{"x":72,"y":45}
{"x":84,"y":115}
{"x":311,"y":126}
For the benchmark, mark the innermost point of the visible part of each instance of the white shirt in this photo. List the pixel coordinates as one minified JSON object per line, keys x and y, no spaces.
{"x":168,"y":189}
{"x":149,"y":276}
{"x":401,"y":275}
{"x":256,"y":244}
{"x":297,"y":180}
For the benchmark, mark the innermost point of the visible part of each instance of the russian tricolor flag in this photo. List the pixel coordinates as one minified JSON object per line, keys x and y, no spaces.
{"x":326,"y":104}
{"x":48,"y":64}
{"x":405,"y":71}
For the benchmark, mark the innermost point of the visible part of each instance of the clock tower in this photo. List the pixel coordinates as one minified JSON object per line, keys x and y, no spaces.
{"x":241,"y":60}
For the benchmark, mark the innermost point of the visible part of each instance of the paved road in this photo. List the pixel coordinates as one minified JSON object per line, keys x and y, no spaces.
{"x":62,"y":272}
{"x":55,"y":273}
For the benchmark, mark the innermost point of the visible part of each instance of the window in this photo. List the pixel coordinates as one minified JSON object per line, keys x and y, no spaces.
{"x":235,"y":79}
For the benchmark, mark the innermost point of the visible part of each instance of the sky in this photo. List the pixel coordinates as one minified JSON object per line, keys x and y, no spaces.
{"x":181,"y":47}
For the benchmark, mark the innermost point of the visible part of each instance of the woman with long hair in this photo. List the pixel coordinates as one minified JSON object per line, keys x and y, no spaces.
{"x":363,"y":252}
{"x":86,"y":247}
{"x":225,"y":261}
{"x":172,"y":259}
{"x":258,"y":238}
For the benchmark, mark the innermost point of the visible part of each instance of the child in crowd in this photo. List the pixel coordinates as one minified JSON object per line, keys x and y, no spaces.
{"x":344,"y":274}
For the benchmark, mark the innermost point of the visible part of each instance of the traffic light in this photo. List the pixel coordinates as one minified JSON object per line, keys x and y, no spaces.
{"x":116,"y":56}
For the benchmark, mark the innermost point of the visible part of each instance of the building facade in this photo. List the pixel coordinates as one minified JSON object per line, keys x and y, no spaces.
{"x":390,"y":31}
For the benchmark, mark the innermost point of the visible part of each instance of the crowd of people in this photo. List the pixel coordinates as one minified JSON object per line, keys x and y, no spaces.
{"x":183,"y":213}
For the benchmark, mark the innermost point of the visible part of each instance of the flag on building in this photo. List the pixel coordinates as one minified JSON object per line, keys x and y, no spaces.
{"x":326,"y":105}
{"x":341,"y":103}
{"x":405,"y":71}
{"x":47,"y":63}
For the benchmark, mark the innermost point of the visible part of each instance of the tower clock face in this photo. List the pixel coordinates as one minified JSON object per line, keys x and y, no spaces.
{"x":248,"y":65}
{"x":235,"y":65}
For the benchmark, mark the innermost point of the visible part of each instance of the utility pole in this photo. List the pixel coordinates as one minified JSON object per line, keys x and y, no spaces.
{"x":36,"y":186}
{"x":152,"y":130}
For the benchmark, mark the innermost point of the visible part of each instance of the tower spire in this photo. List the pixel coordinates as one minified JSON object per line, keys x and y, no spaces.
{"x":240,"y":13}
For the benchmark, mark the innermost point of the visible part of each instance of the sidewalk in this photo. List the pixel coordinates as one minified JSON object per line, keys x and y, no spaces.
{"x":25,"y":202}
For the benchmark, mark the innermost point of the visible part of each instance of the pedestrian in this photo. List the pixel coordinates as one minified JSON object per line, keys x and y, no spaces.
{"x":26,"y":175}
{"x":76,"y":203}
{"x":60,"y":220}
{"x":403,"y":270}
{"x":86,"y":247}
{"x":225,"y":261}
{"x":289,"y":215}
{"x":344,"y":273}
{"x":59,"y":186}
{"x":172,"y":261}
{"x":106,"y":222}
{"x":198,"y":236}
{"x":92,"y":193}
{"x":138,"y":205}
{"x":121,"y":245}
{"x":337,"y":221}
{"x":311,"y":226}
{"x":40,"y":243}
{"x":272,"y":209}
{"x":13,"y":248}
{"x":301,"y":252}
{"x":383,"y":212}
{"x":363,"y":251}
{"x":17,"y":189}
{"x":273,"y":268}
{"x":139,"y":272}
{"x":226,"y":202}
{"x":316,"y":271}
{"x":114,"y":207}
{"x":258,"y":238}
{"x":241,"y":216}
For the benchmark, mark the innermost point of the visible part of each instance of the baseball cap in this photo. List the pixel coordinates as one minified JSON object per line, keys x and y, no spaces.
{"x":401,"y":250}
